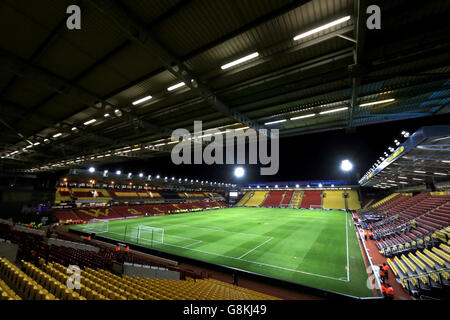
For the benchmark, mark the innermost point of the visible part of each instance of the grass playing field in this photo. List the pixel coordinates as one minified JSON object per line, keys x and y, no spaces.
{"x":318,"y":248}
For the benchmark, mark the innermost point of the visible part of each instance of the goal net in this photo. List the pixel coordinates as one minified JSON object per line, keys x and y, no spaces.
{"x":315,"y":206}
{"x":97,"y":226}
{"x":149,"y":235}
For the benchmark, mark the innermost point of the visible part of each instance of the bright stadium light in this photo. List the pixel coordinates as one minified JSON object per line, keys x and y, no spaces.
{"x":321,"y":28}
{"x":141,"y":175}
{"x":376,"y":102}
{"x":304,"y":116}
{"x":118,"y":172}
{"x":239,"y":172}
{"x":346,"y":165}
{"x":141,"y":100}
{"x":273,"y":122}
{"x":334,"y":110}
{"x":240,"y":60}
{"x":175,"y":86}
{"x":89,"y":122}
{"x":91,"y":169}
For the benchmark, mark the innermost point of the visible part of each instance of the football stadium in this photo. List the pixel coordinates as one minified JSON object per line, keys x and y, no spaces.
{"x":225,"y":150}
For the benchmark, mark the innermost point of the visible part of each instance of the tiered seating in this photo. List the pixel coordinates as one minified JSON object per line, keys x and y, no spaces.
{"x":53,"y":286}
{"x":257,"y":199}
{"x":118,"y":212}
{"x":97,"y":213}
{"x":6,"y":293}
{"x":124,"y":195}
{"x":273,"y":199}
{"x":311,"y":198}
{"x":367,"y":203}
{"x":245,"y":198}
{"x":215,"y":196}
{"x":90,"y":194}
{"x":65,"y":214}
{"x":296,"y":199}
{"x":287,"y":196}
{"x":153,"y":195}
{"x":385,"y":199}
{"x":333,"y":199}
{"x":422,"y":270}
{"x":62,"y":195}
{"x":100,"y":284}
{"x":68,"y":255}
{"x":26,"y":287}
{"x":193,"y":195}
{"x":412,"y":222}
{"x":130,"y":211}
{"x":393,"y":202}
{"x":353,"y":200}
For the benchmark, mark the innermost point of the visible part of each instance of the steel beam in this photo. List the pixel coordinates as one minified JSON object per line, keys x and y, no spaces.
{"x":138,"y":33}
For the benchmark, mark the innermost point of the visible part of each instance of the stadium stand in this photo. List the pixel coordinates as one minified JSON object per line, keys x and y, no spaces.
{"x":6,"y":293}
{"x":66,"y":214}
{"x":367,"y":203}
{"x":311,"y":198}
{"x":296,"y":199}
{"x":96,"y":213}
{"x":410,"y":223}
{"x":333,"y":199}
{"x":422,"y":270}
{"x":102,"y":284}
{"x":353,"y":202}
{"x":286,"y":198}
{"x":90,"y":194}
{"x":23,"y":285}
{"x":62,"y":195}
{"x":256,"y":199}
{"x":130,"y":211}
{"x":124,"y":195}
{"x":47,"y":280}
{"x":151,"y":195}
{"x":273,"y":199}
{"x":245,"y":198}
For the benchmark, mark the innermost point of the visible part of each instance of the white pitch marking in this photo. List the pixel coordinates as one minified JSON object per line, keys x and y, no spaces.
{"x":346,"y":234}
{"x":249,"y":261}
{"x":271,"y":238}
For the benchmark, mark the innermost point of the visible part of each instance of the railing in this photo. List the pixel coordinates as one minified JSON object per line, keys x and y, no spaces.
{"x":428,"y":275}
{"x":372,"y":268}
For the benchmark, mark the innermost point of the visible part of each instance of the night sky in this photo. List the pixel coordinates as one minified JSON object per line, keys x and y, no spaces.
{"x":306,"y":157}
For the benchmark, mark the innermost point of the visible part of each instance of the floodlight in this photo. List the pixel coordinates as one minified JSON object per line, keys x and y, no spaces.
{"x":239,"y":172}
{"x":346,"y":165}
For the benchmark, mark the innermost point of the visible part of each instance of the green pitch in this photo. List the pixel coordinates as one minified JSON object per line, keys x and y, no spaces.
{"x":318,"y":248}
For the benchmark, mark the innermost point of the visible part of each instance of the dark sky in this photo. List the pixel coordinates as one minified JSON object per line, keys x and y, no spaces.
{"x":307,"y":157}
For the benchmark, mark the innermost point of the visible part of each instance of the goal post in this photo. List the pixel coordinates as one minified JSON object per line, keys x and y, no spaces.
{"x":97,"y":226}
{"x":149,"y":235}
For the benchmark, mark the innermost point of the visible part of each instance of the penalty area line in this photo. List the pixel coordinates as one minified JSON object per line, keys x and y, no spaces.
{"x":249,"y":261}
{"x":271,"y":238}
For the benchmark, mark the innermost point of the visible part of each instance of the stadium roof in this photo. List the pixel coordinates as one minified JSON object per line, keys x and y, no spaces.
{"x":111,"y":179}
{"x":70,"y":98}
{"x":423,"y":158}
